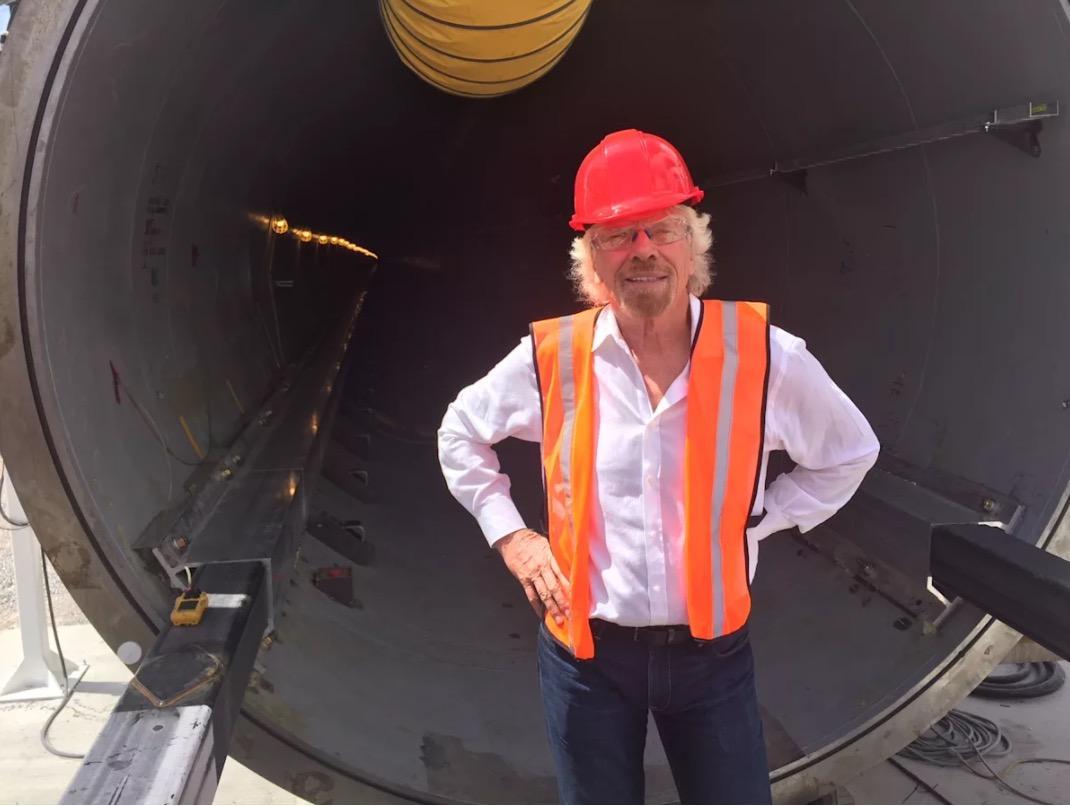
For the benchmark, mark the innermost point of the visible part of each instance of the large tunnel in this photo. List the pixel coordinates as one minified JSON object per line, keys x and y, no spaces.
{"x":148,"y":309}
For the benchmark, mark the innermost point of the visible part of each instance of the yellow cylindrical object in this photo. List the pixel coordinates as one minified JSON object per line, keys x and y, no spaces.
{"x":482,"y":48}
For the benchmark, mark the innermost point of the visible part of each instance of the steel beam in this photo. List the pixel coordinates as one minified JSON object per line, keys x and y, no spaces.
{"x":1021,"y":585}
{"x":253,"y":503}
{"x":167,"y":739}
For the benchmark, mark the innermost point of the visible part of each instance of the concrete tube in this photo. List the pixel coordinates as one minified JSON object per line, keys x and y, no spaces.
{"x":146,"y":309}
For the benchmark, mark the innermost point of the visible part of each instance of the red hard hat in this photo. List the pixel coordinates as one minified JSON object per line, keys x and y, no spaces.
{"x":628,"y":174}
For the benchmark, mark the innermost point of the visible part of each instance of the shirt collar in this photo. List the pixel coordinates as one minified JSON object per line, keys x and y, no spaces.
{"x":606,"y":327}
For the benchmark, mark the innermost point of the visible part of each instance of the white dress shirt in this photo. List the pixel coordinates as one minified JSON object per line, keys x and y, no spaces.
{"x":637,"y":571}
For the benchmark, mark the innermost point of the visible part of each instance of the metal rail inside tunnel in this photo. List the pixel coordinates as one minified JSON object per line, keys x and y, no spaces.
{"x":149,"y":313}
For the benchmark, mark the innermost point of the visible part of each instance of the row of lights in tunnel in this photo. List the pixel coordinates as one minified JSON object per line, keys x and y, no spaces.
{"x":280,"y":226}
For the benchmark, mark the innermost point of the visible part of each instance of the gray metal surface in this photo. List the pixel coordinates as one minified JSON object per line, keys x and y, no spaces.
{"x":167,"y":758}
{"x":255,"y":504}
{"x":142,"y":139}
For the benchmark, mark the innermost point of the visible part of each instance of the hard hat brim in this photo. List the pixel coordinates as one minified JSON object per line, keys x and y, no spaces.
{"x":635,"y":209}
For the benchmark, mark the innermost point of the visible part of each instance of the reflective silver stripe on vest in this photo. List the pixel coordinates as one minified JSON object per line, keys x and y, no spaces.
{"x":568,"y":406}
{"x":729,"y":369}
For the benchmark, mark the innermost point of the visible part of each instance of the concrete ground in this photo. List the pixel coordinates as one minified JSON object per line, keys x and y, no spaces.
{"x":1037,"y":728}
{"x":29,"y":774}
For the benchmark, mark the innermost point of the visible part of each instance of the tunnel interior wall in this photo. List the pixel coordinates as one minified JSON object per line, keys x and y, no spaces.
{"x":929,"y":282}
{"x":185,"y":309}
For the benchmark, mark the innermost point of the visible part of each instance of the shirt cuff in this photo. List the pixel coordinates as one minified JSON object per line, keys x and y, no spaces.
{"x":498,"y":517}
{"x":772,"y":522}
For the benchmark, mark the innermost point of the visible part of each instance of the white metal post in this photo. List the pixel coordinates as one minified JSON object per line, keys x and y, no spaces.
{"x":40,"y":675}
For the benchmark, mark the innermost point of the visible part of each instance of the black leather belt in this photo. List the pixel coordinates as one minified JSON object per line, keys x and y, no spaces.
{"x":654,"y":636}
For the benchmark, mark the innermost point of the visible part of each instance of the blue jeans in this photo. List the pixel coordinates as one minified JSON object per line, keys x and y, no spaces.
{"x":703,"y":699}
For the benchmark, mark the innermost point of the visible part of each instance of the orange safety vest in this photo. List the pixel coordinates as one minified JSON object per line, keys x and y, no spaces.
{"x":726,"y":397}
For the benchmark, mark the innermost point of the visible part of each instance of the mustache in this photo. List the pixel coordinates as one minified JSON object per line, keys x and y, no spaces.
{"x":645,"y":269}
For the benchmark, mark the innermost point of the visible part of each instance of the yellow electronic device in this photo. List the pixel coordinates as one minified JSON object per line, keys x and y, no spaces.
{"x":189,"y":608}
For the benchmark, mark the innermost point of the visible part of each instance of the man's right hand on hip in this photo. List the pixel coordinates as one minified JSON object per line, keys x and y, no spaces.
{"x":528,"y":557}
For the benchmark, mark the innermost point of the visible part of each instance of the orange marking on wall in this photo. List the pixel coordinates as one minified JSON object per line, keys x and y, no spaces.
{"x":233,"y":394}
{"x":192,"y":440}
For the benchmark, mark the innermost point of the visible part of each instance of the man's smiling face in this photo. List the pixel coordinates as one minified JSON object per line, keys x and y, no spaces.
{"x":644,"y":264}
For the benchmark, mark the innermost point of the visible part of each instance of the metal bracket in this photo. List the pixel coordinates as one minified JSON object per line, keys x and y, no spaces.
{"x":345,"y":538}
{"x":1024,"y":136}
{"x":1018,"y":125}
{"x":797,"y":179}
{"x":336,"y":582}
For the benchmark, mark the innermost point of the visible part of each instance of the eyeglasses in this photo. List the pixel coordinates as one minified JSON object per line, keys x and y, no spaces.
{"x":663,"y":232}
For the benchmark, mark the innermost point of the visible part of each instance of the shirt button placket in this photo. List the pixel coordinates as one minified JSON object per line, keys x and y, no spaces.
{"x":655,"y":538}
{"x":647,"y":487}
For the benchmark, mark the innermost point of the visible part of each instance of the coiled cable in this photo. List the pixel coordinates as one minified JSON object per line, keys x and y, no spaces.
{"x":958,"y":734}
{"x":961,"y":737}
{"x":1024,"y":680}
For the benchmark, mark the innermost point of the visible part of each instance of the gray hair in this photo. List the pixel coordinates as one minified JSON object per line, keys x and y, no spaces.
{"x":589,"y":287}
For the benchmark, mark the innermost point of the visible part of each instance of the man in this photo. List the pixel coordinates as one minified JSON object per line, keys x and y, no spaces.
{"x":656,"y":413}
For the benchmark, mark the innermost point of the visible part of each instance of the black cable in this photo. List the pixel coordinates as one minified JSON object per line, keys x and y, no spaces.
{"x":919,"y":781}
{"x":1025,"y":680}
{"x":957,"y":734}
{"x":52,"y":615}
{"x":1019,"y":673}
{"x":910,"y":794}
{"x":67,"y":687}
{"x":960,"y":736}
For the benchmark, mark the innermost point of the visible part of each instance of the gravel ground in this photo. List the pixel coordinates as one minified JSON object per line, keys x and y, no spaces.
{"x":67,"y":611}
